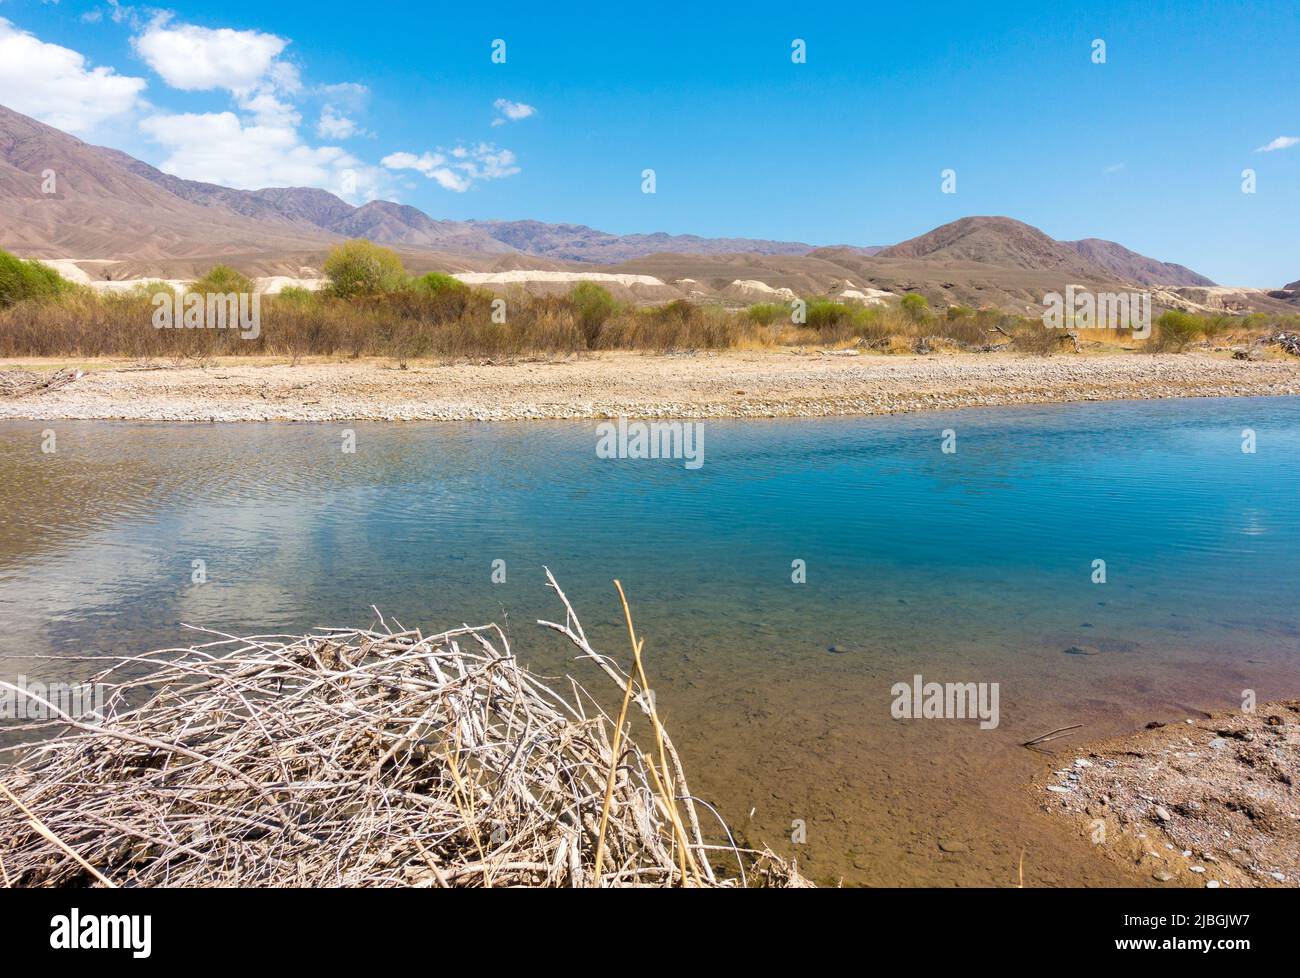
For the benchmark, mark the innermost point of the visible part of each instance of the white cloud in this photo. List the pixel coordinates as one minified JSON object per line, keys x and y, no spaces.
{"x":511,"y":111}
{"x":54,"y":84}
{"x":1113,"y":168}
{"x":460,"y":168}
{"x":432,"y":165}
{"x":333,"y":125}
{"x":199,"y":59}
{"x":351,"y":95}
{"x":244,"y":63}
{"x":1282,"y":142}
{"x":260,"y":145}
{"x":268,"y":109}
{"x":217,"y":147}
{"x":117,"y":12}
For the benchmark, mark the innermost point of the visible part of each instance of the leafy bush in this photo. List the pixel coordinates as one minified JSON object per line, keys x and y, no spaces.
{"x":363,"y":268}
{"x":915,"y":306}
{"x":436,"y":282}
{"x":1174,"y":330}
{"x":146,"y":289}
{"x":21,"y":280}
{"x":296,"y":295}
{"x":825,"y":315}
{"x":416,"y":321}
{"x":593,"y":305}
{"x":222,"y":279}
{"x":1219,"y":324}
{"x":766,"y":313}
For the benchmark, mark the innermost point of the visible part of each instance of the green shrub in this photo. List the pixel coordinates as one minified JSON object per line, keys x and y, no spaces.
{"x":437,"y":282}
{"x":146,"y":289}
{"x":593,"y":305}
{"x":296,"y":295}
{"x":222,"y":279}
{"x":915,"y":306}
{"x":1174,"y":330}
{"x":766,"y":313}
{"x":1219,"y":324}
{"x":363,"y":268}
{"x":21,"y":280}
{"x":825,"y":316}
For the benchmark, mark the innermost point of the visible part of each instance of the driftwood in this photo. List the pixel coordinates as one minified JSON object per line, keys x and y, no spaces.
{"x":1289,"y":342}
{"x":15,"y":383}
{"x":1037,"y":743}
{"x":359,"y":757}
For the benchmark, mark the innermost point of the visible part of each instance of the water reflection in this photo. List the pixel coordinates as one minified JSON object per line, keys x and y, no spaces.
{"x":975,"y":565}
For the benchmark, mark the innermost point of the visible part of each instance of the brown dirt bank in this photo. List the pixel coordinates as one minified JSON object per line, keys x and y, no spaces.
{"x":1203,"y":802}
{"x":737,"y":384}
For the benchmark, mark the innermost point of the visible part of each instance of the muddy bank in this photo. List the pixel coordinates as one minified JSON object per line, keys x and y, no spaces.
{"x":1204,"y":802}
{"x":748,"y":384}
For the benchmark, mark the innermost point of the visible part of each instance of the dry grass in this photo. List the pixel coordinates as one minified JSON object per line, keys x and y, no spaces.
{"x":375,"y":757}
{"x":417,"y":323}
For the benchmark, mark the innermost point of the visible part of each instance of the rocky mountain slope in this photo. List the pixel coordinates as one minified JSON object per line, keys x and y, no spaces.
{"x":137,"y":221}
{"x":1132,"y":267}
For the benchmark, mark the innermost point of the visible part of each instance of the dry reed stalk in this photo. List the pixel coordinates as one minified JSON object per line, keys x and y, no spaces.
{"x":663,"y":783}
{"x":355,"y":757}
{"x":615,"y":754}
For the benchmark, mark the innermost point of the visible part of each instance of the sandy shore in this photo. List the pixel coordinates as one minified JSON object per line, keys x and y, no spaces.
{"x":1206,"y":802}
{"x":750,"y":384}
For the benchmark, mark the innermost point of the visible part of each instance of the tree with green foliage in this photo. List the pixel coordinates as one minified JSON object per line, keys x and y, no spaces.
{"x":363,"y":268}
{"x":594,"y":305}
{"x":915,"y":306}
{"x":20,"y":279}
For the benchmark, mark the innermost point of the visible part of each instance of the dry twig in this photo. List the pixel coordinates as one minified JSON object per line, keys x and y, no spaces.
{"x":356,"y":758}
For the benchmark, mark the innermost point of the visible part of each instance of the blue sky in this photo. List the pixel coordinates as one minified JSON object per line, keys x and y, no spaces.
{"x":1146,"y":149}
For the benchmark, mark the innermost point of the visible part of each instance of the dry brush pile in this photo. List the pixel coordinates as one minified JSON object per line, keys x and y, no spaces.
{"x":379,"y":757}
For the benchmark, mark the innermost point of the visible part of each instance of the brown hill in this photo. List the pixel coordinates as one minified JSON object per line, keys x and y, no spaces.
{"x":313,"y":210}
{"x":1132,"y":267}
{"x":103,"y":209}
{"x":390,"y":223}
{"x":999,"y":241}
{"x":109,"y":205}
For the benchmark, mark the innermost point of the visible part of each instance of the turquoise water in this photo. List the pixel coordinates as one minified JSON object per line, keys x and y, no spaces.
{"x":976,"y":565}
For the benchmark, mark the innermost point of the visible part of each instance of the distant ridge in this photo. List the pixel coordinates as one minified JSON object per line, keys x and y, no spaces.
{"x":110,"y":205}
{"x":1009,"y":243}
{"x":1132,"y":267}
{"x":994,"y":241}
{"x":577,"y":242}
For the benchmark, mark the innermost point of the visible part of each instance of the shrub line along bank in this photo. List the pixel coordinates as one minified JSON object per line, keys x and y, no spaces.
{"x":371,"y":307}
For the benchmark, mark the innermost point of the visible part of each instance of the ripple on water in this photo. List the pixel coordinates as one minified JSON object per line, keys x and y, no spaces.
{"x":972,"y":566}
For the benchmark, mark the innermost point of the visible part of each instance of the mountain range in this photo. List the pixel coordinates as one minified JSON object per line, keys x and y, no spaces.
{"x":135,"y":220}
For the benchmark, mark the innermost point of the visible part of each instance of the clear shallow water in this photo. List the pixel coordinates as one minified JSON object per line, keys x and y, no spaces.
{"x":975,"y":566}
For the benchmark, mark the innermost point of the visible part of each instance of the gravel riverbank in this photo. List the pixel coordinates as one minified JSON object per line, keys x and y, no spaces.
{"x":749,"y":384}
{"x":1204,"y":802}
